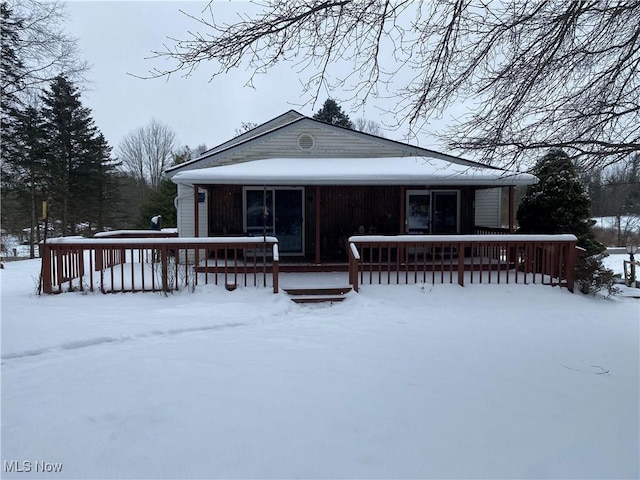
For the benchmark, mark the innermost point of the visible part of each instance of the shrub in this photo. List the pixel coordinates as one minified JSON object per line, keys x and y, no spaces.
{"x":592,"y":276}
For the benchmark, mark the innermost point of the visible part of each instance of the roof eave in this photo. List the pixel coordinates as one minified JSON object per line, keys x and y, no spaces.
{"x":518,"y":180}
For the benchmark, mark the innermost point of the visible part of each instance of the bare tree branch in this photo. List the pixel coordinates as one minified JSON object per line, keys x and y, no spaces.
{"x":532,"y":74}
{"x":44,"y":48}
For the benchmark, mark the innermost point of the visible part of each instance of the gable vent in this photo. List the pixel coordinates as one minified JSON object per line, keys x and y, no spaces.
{"x":306,"y":142}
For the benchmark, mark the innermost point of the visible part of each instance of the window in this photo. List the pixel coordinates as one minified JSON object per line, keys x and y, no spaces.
{"x":432,"y":212}
{"x":280,"y":212}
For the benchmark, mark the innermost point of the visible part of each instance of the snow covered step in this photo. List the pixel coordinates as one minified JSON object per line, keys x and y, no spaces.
{"x":318,"y":290}
{"x":318,"y":294}
{"x":317,"y":298}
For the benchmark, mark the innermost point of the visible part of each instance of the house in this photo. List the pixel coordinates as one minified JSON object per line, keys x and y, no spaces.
{"x":322,"y":184}
{"x":295,"y":194}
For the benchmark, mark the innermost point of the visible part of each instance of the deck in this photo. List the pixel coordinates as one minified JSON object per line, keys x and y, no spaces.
{"x":169,"y":264}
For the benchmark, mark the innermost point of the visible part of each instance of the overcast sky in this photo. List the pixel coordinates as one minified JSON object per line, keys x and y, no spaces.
{"x":117,"y":38}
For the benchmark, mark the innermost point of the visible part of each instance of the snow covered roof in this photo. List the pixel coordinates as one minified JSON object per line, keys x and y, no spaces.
{"x":353,"y":171}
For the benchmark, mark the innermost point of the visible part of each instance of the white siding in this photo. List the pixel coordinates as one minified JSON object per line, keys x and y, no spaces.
{"x":329,"y":142}
{"x":184,"y":205}
{"x":203,"y":215}
{"x":488,"y":206}
{"x":277,"y":122}
{"x":184,"y":211}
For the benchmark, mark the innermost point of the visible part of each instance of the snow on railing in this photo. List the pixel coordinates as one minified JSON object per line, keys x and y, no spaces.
{"x":404,"y":259}
{"x":165,"y":232}
{"x":461,"y":238}
{"x":155,"y":264}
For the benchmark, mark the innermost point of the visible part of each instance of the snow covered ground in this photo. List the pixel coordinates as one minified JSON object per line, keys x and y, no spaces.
{"x":628,"y":222}
{"x":615,"y":259}
{"x":485,"y":381}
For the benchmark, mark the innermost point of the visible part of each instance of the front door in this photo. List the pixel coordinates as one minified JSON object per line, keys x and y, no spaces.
{"x":282,"y":218}
{"x":432,"y":212}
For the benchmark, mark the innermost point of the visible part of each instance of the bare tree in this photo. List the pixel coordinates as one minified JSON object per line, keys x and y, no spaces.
{"x":368,"y":126}
{"x":245,"y":127}
{"x":42,"y":46}
{"x":186,"y":153}
{"x":146,"y":152}
{"x":533,"y":74}
{"x":622,"y":199}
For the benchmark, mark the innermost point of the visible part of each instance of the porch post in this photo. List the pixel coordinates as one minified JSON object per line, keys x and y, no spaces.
{"x":196,"y":212}
{"x":571,"y":261}
{"x":512,"y":209}
{"x":403,"y":200}
{"x":45,"y":275}
{"x":317,"y":200}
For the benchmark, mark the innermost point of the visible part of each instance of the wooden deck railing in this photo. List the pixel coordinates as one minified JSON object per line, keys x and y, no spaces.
{"x":155,"y":264}
{"x":404,"y":259}
{"x":481,"y":230}
{"x":631,"y":272}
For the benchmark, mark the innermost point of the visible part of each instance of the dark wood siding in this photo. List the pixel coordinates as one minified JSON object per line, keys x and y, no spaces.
{"x":467,"y":212}
{"x":349,"y":210}
{"x":225,"y":210}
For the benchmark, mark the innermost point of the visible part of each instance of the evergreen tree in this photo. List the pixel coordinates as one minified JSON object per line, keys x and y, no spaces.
{"x":332,"y":113}
{"x":160,"y":202}
{"x":23,"y":173}
{"x":95,"y":180}
{"x":77,"y":160}
{"x":11,"y":66}
{"x":558,"y":203}
{"x":125,"y":216}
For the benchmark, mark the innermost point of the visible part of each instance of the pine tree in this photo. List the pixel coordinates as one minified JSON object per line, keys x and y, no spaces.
{"x":332,"y":113}
{"x":26,"y":168}
{"x":77,"y":159}
{"x":160,"y":202}
{"x":95,"y":181}
{"x":558,"y":203}
{"x":11,"y":66}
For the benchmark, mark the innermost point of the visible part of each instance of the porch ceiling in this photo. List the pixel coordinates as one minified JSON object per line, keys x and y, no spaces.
{"x":352,"y":171}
